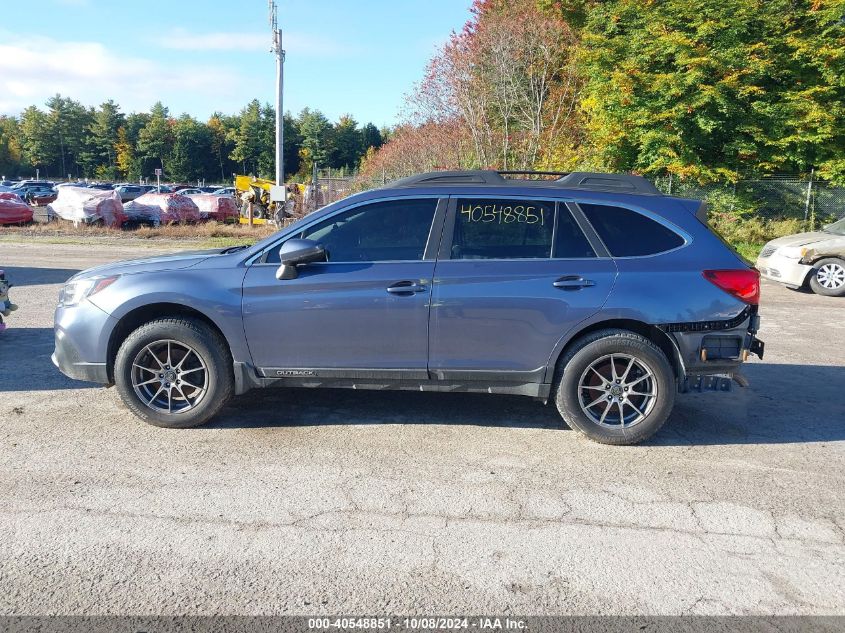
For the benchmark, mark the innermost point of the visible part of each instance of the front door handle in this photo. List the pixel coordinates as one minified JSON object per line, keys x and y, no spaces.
{"x":573,"y":282}
{"x":406,"y":288}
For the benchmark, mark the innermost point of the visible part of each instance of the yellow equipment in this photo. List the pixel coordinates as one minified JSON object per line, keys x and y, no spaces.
{"x":256,"y":191}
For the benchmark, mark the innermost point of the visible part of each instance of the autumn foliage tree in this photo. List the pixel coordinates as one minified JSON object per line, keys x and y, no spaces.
{"x":510,"y":80}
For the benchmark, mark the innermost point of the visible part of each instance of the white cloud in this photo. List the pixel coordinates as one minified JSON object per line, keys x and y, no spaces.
{"x":294,"y":42}
{"x":35,"y":68}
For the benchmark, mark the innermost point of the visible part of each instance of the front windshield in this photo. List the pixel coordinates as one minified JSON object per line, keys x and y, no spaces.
{"x":837,"y":228}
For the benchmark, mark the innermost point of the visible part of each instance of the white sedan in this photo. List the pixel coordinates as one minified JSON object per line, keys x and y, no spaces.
{"x":816,"y":258}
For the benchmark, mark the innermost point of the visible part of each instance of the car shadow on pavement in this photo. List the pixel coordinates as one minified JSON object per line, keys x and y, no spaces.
{"x":325,"y":407}
{"x":784,"y":404}
{"x":25,"y":363}
{"x":20,"y":276}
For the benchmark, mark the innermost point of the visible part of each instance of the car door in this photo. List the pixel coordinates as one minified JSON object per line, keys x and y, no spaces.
{"x":364,"y":312}
{"x":514,"y":274}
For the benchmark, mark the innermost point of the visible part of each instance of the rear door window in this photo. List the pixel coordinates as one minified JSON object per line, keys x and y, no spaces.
{"x":488,"y":228}
{"x":627,"y":233}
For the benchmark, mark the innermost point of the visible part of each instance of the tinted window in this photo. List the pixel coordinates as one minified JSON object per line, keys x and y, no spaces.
{"x":382,"y":231}
{"x":502,"y":229}
{"x":627,"y":233}
{"x":570,"y":242}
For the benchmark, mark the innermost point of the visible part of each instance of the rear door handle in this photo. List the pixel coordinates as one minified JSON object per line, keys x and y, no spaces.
{"x":573,"y":282}
{"x":406,"y":288}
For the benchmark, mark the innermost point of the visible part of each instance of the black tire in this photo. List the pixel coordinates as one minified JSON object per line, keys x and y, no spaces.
{"x":831,"y":264}
{"x":206,"y":343}
{"x":594,"y":348}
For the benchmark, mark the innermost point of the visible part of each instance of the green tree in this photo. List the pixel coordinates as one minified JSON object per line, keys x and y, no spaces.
{"x":371,"y":137}
{"x":192,"y":149}
{"x":99,"y":155}
{"x":248,"y":138}
{"x":38,"y":149}
{"x":267,"y":142}
{"x":711,"y":89}
{"x":127,"y":164}
{"x":67,"y":123}
{"x":10,"y":146}
{"x":155,"y":139}
{"x":347,"y":144}
{"x":316,"y":139}
{"x":292,"y":144}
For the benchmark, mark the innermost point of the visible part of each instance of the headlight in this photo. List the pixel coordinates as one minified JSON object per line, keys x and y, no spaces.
{"x":792,"y":252}
{"x":75,"y":291}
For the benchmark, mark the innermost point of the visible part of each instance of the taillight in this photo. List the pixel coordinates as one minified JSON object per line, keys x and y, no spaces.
{"x":744,"y":284}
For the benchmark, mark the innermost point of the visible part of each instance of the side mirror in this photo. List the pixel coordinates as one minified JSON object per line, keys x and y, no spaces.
{"x":296,"y":252}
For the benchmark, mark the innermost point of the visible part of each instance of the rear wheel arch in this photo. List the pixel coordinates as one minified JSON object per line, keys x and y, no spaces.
{"x":134,"y":319}
{"x":654,"y":334}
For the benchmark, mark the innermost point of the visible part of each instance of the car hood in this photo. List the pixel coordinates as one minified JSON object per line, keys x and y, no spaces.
{"x":173,"y":261}
{"x":802,"y":239}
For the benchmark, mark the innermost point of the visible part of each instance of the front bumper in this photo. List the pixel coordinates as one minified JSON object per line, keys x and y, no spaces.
{"x":81,"y":337}
{"x":783,"y":269}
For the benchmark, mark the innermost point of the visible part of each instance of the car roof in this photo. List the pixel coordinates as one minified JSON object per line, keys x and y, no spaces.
{"x":581,"y":180}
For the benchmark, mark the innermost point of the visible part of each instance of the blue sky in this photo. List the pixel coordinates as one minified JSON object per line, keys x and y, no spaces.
{"x":197,"y":56}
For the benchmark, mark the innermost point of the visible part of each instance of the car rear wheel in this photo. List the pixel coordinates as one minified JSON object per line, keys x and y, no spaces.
{"x":828,"y":277}
{"x":615,"y":387}
{"x":174,"y":372}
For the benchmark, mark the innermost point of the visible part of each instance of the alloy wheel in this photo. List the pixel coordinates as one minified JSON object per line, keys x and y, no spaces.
{"x":169,"y":376}
{"x":617,"y":391}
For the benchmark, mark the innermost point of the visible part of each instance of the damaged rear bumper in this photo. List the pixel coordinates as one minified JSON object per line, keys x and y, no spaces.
{"x":711,"y":353}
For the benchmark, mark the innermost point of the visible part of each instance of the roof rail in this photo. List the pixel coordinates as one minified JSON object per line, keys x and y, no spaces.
{"x":467,"y":177}
{"x":623,"y":183}
{"x":522,"y":172}
{"x":619,"y":183}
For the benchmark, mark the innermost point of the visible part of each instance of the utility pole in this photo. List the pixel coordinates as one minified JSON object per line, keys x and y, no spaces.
{"x":280,"y":78}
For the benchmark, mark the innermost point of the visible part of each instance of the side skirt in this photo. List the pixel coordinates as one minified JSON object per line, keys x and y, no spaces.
{"x":534,"y":390}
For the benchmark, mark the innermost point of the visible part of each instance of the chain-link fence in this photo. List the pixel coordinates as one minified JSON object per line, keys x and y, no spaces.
{"x":329,"y":186}
{"x":770,"y":198}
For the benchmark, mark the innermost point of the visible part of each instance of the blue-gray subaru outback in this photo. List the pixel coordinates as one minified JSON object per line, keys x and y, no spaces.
{"x":593,"y":290}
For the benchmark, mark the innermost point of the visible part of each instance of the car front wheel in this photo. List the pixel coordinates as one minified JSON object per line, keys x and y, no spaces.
{"x":174,"y":372}
{"x":828,"y":277}
{"x":615,"y":387}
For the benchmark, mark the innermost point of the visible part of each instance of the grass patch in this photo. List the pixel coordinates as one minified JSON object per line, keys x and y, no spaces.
{"x":749,"y":250}
{"x":208,"y":234}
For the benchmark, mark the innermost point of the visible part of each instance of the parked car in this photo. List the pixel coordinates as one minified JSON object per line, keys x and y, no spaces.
{"x":129,"y":192}
{"x":36,"y":194}
{"x":593,"y":291}
{"x":190,"y":191}
{"x":47,"y":184}
{"x":225,"y":191}
{"x":815,"y":259}
{"x":104,"y":186}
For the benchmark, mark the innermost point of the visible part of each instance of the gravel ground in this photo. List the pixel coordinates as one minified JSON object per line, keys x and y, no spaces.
{"x":330,"y":502}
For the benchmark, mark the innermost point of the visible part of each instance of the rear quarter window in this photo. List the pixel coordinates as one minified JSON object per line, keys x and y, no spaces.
{"x":627,"y":233}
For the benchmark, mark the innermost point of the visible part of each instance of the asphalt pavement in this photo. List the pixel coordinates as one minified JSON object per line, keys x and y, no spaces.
{"x":333,"y":502}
